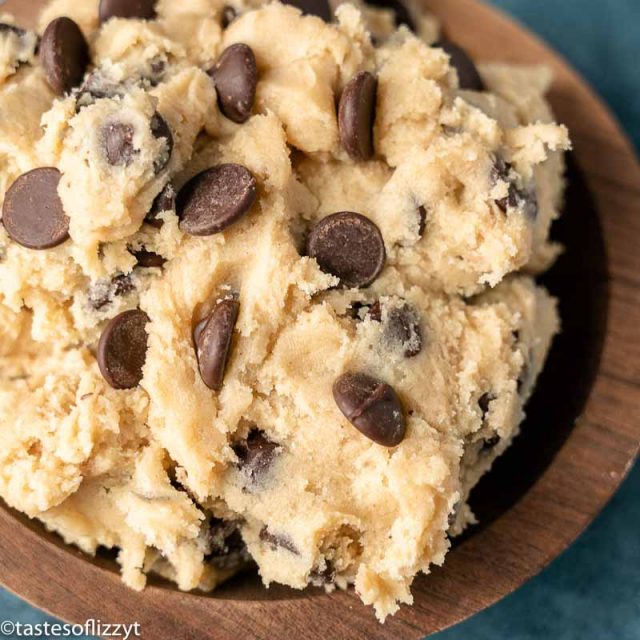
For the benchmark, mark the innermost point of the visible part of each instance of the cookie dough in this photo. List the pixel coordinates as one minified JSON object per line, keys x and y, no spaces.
{"x":267,"y":286}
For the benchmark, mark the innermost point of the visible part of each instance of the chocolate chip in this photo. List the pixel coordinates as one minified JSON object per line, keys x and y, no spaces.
{"x":484,"y":401}
{"x":160,"y":130}
{"x":32,"y":212}
{"x":235,"y":77}
{"x":255,"y":455}
{"x":278,"y":541}
{"x":319,"y":8}
{"x":64,"y":55}
{"x":122,"y":349}
{"x":402,"y":330}
{"x":348,"y":246}
{"x":148,"y":259}
{"x":215,"y":199}
{"x":103,"y":292}
{"x":401,"y":13}
{"x":164,"y":201}
{"x":422,"y":225}
{"x":371,"y":406}
{"x":229,"y":14}
{"x":117,"y":139}
{"x":141,"y":9}
{"x":213,"y":342}
{"x":502,"y":172}
{"x":468,"y":76}
{"x":356,"y":115}
{"x":516,"y":197}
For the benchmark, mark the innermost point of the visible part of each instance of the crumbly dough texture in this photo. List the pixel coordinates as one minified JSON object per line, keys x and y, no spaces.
{"x":153,"y":471}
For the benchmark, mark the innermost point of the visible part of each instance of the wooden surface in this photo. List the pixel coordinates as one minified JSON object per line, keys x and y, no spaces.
{"x":578,"y":443}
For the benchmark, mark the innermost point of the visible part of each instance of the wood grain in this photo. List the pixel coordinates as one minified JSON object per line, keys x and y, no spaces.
{"x":579,"y":441}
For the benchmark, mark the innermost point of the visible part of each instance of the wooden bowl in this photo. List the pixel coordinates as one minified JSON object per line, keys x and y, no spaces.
{"x":578,"y":443}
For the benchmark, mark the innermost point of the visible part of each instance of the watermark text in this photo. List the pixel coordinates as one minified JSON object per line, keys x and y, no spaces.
{"x":91,"y":627}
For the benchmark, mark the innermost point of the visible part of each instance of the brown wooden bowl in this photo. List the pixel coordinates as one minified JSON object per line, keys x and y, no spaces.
{"x":579,"y":441}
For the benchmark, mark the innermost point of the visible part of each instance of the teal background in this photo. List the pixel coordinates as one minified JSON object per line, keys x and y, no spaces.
{"x":592,"y":592}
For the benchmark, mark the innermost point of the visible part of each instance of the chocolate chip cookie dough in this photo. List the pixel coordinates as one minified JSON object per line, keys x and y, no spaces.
{"x":266,"y":284}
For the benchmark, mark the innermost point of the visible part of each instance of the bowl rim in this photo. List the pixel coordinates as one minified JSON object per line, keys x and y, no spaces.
{"x":582,"y":477}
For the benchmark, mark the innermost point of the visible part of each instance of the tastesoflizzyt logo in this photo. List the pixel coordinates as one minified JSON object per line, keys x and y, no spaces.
{"x":91,"y":627}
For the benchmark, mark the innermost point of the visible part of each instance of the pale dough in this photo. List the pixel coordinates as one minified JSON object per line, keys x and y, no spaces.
{"x":153,"y":471}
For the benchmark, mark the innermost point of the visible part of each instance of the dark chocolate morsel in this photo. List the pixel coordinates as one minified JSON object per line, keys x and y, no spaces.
{"x":160,"y":130}
{"x":139,"y":9}
{"x":64,"y":55}
{"x":349,"y":246}
{"x":32,"y":212}
{"x":356,"y":115}
{"x":319,"y":8}
{"x":122,"y":349}
{"x":117,"y":140}
{"x":164,"y":201}
{"x":255,"y":455}
{"x":215,"y":199}
{"x":422,"y":225}
{"x":483,"y":402}
{"x":103,"y":292}
{"x":372,"y":406}
{"x":468,"y":75}
{"x":213,"y":342}
{"x":402,"y":330}
{"x":516,"y":197}
{"x":235,"y":77}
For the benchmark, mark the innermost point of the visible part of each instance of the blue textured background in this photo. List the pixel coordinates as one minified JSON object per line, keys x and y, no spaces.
{"x":592,"y":592}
